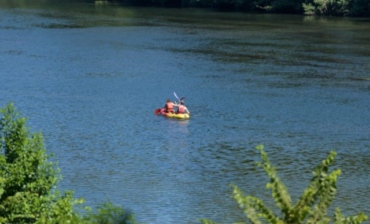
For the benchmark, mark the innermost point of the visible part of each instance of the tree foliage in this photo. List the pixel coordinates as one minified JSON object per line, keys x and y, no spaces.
{"x":27,"y":177}
{"x":28,"y":180}
{"x":327,"y":7}
{"x":109,"y":213}
{"x":307,"y":7}
{"x":311,"y":207}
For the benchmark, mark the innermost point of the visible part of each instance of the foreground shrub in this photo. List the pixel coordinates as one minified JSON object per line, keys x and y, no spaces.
{"x":311,"y":207}
{"x":28,"y":179}
{"x":109,"y":213}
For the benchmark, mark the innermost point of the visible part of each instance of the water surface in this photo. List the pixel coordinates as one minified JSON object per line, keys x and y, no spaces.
{"x":89,"y":77}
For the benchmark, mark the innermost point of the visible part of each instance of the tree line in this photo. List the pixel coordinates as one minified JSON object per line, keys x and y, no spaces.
{"x":358,"y":8}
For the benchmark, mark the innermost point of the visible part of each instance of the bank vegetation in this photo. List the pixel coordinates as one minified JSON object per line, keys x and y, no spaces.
{"x":359,"y":8}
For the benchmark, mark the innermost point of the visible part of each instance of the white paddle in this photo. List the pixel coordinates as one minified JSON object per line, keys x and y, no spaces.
{"x":179,"y":99}
{"x":176,"y":96}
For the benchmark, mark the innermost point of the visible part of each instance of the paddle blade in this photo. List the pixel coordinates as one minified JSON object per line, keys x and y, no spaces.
{"x":176,"y":96}
{"x":157,"y":111}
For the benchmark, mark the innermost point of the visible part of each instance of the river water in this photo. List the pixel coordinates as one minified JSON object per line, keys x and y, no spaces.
{"x":90,"y":76}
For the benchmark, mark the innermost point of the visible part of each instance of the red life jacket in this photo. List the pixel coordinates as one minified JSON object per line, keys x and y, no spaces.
{"x":181,"y":109}
{"x":169,"y":107}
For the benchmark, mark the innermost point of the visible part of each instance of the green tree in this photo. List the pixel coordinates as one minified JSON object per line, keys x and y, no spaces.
{"x":27,"y":177}
{"x":109,"y":213}
{"x":327,"y":7}
{"x":311,"y":207}
{"x":308,"y":9}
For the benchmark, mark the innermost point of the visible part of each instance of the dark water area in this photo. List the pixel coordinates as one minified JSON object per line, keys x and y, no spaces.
{"x":90,"y":76}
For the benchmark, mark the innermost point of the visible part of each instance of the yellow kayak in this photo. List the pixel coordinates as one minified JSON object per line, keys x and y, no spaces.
{"x":171,"y":115}
{"x":178,"y":116}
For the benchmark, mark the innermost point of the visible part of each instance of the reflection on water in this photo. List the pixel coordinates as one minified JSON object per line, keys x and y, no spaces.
{"x":89,"y":77}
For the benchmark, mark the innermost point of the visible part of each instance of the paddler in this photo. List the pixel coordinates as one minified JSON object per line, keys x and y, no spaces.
{"x":169,"y":107}
{"x":182,"y":109}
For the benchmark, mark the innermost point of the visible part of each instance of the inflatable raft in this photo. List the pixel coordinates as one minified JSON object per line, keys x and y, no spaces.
{"x":171,"y":115}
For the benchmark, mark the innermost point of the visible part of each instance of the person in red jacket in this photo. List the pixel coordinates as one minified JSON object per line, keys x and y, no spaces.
{"x":169,"y":107}
{"x":182,"y":109}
